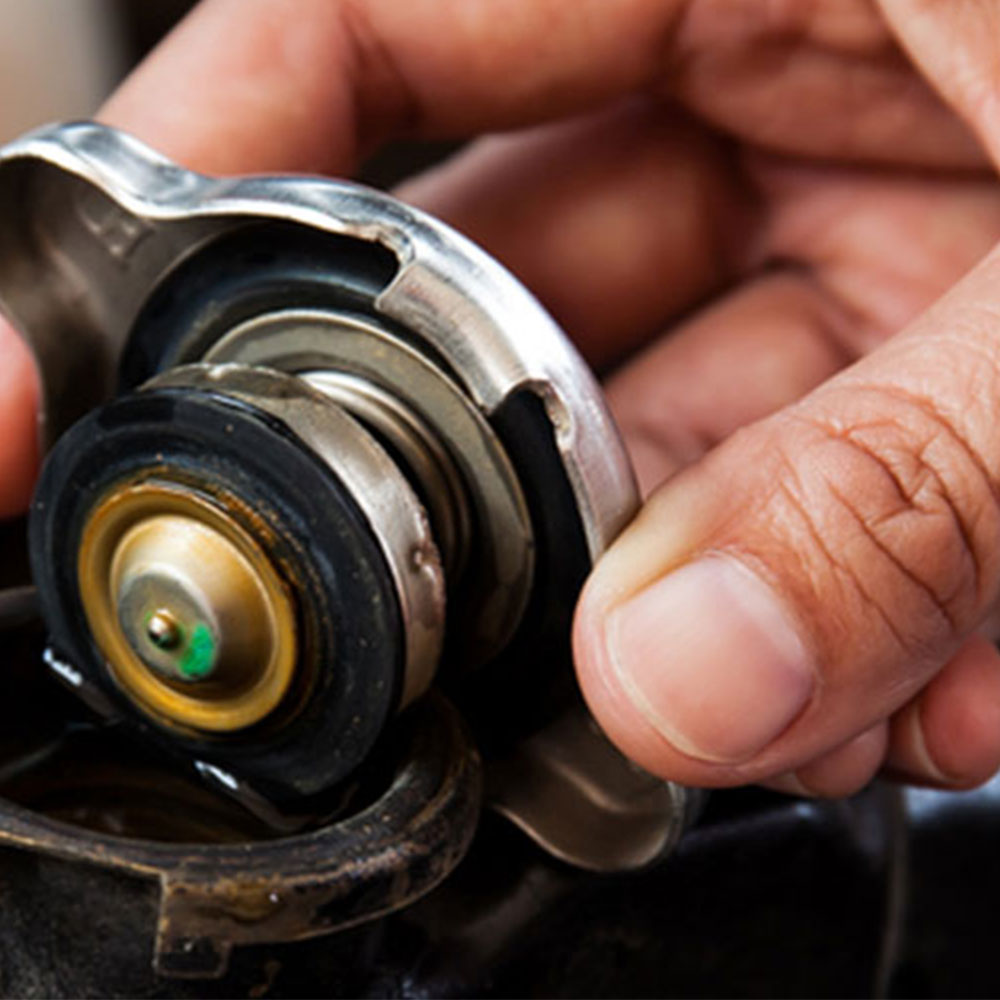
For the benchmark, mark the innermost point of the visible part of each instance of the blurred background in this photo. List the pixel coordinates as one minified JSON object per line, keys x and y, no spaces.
{"x":59,"y":59}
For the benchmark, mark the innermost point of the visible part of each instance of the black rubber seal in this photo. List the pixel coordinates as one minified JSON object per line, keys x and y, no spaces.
{"x":532,"y":680}
{"x":256,"y":269}
{"x":349,"y":616}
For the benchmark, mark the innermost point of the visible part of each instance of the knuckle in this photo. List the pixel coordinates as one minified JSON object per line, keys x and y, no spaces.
{"x":904,"y":511}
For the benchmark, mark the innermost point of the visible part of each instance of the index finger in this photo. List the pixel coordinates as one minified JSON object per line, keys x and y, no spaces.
{"x":255,"y":85}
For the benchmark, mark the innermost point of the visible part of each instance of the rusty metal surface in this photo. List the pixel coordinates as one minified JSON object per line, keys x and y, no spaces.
{"x":774,"y":898}
{"x":212,"y":896}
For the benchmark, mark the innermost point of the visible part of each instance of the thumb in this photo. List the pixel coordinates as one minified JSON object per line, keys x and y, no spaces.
{"x":814,"y":572}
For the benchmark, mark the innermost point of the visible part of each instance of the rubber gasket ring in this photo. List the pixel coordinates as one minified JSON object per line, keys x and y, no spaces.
{"x":350,"y":620}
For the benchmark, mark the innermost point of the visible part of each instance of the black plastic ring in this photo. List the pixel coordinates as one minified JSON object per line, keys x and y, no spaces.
{"x":349,"y":616}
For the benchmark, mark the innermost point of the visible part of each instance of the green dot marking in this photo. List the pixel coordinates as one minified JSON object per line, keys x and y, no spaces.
{"x":199,"y":656}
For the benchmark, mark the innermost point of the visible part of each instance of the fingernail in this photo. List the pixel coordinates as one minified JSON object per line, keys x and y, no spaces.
{"x":920,"y":751}
{"x":712,"y":659}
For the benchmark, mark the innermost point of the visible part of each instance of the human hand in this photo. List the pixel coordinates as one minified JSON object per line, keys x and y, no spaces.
{"x":755,"y":195}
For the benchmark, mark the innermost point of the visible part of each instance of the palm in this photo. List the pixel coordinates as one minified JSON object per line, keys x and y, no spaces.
{"x":809,"y":197}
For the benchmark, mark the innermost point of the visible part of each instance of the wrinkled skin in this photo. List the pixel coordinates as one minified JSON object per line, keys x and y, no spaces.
{"x":775,"y":222}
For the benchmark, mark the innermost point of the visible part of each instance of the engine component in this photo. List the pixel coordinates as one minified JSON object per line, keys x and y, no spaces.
{"x":312,"y":452}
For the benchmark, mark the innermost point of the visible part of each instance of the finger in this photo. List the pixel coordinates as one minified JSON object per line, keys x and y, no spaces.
{"x":251,"y":85}
{"x":949,"y":735}
{"x":757,"y":349}
{"x":884,"y":244}
{"x":811,"y":574}
{"x":955,"y":45}
{"x":822,"y":79}
{"x":18,"y":422}
{"x":863,"y":255}
{"x":842,"y":771}
{"x":618,"y":220}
